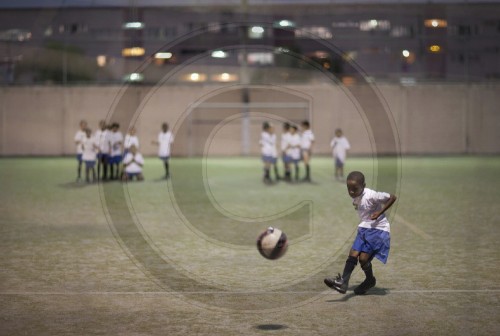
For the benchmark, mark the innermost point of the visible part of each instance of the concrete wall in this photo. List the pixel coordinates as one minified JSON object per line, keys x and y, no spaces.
{"x":429,"y":119}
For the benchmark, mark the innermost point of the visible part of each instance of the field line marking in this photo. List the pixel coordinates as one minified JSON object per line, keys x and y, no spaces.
{"x":402,"y":291}
{"x":415,"y":229}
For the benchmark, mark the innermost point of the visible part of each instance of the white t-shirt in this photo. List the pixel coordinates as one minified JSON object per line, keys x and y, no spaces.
{"x":268,"y":144}
{"x":340,"y":146}
{"x":307,"y":139}
{"x":293,"y":150}
{"x":133,"y":167}
{"x":80,"y":136}
{"x":369,"y":202}
{"x":284,"y":141}
{"x":131,"y":140}
{"x":116,"y":139}
{"x":90,"y":149}
{"x":164,"y":141}
{"x":102,"y":138}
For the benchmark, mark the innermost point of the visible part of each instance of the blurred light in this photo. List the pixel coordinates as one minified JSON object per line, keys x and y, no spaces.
{"x":101,"y":60}
{"x":133,"y":25}
{"x":348,"y":80}
{"x":262,"y":58}
{"x":405,"y":53}
{"x":224,"y":77}
{"x":256,"y":32}
{"x":434,"y":48}
{"x":194,"y":77}
{"x":135,"y":51}
{"x":407,"y":81}
{"x":134,"y":77}
{"x":373,"y":23}
{"x":435,"y":23}
{"x":19,"y":35}
{"x":163,"y":55}
{"x":286,"y":23}
{"x":219,"y":54}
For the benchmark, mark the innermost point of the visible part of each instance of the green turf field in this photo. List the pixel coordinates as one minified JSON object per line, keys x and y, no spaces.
{"x":178,"y":257}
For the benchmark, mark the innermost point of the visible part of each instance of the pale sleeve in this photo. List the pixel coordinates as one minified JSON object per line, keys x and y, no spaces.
{"x":139,"y":159}
{"x":347,"y":144}
{"x":333,"y":143}
{"x":380,"y":197}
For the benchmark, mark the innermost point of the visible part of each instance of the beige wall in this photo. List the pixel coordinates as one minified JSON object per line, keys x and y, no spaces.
{"x":429,"y":119}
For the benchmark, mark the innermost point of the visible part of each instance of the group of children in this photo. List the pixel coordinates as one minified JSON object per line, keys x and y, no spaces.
{"x":117,"y":157}
{"x":297,"y":147}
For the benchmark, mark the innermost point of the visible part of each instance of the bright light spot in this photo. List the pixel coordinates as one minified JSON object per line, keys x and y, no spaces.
{"x":163,"y":55}
{"x":135,"y":51}
{"x":373,"y":23}
{"x":434,"y":23}
{"x":434,"y":48}
{"x":133,"y":25}
{"x":225,"y":76}
{"x":406,"y":53}
{"x":257,"y":30}
{"x":101,"y":60}
{"x":134,"y":77}
{"x":194,"y":77}
{"x":219,"y":54}
{"x":286,"y":23}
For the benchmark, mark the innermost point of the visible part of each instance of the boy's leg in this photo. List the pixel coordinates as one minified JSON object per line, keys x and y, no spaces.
{"x":365,"y":260}
{"x":341,"y":283}
{"x":296,"y":171}
{"x":79,"y":170}
{"x":93,"y":174}
{"x":306,"y":164}
{"x":167,"y":168}
{"x":276,"y":172}
{"x":87,"y":173}
{"x":267,"y":175}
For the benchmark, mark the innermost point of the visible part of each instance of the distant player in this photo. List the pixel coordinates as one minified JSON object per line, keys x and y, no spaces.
{"x":165,"y":140}
{"x":116,"y":141}
{"x":293,"y":153}
{"x":268,"y":151}
{"x":373,"y":238}
{"x":285,"y":135}
{"x":340,"y":145}
{"x":132,"y":165}
{"x":307,"y":142}
{"x":131,"y":139}
{"x":79,"y":138}
{"x":103,"y":139}
{"x":90,"y":148}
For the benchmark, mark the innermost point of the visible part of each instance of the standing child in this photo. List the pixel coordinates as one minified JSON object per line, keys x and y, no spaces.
{"x":131,"y":139}
{"x":79,"y":138}
{"x":268,"y":150}
{"x":102,"y":138}
{"x":284,"y":145}
{"x":116,"y":141}
{"x":165,"y":139}
{"x":293,"y":152}
{"x":373,"y":238}
{"x":340,"y":145}
{"x":132,"y":163}
{"x":90,"y":149}
{"x":307,"y":142}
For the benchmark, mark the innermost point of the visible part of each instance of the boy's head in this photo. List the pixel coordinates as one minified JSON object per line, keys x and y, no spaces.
{"x":305,"y":125}
{"x":267,"y":127}
{"x":132,"y":130}
{"x":293,"y":129}
{"x":338,"y":132}
{"x":88,"y":132}
{"x":102,"y":125}
{"x":286,"y":127}
{"x":355,"y":183}
{"x":83,"y":125}
{"x":164,"y":127}
{"x":133,"y":149}
{"x":115,"y":127}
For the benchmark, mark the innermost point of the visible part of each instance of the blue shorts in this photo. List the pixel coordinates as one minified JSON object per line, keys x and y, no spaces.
{"x":164,"y":158}
{"x":79,"y":157}
{"x":115,"y":159}
{"x":288,"y":159}
{"x":375,"y":242}
{"x":339,"y":163}
{"x":269,"y":159}
{"x":132,"y":175}
{"x":103,"y":157}
{"x":89,"y":164}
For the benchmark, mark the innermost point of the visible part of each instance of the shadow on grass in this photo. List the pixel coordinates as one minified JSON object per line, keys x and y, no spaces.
{"x":376,"y":291}
{"x":271,"y":327}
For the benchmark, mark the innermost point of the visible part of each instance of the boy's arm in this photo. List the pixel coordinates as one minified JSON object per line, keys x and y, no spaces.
{"x":386,"y":206}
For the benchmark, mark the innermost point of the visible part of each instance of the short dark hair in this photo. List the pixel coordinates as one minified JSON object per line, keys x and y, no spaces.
{"x":356,"y":176}
{"x":305,"y":123}
{"x":286,"y":125}
{"x":265,"y":125}
{"x":294,"y":127}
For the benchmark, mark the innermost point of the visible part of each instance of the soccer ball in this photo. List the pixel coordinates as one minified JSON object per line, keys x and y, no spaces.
{"x":272,"y":243}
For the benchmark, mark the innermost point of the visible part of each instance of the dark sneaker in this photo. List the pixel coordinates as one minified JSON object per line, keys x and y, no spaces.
{"x":338,"y":284}
{"x":365,"y":286}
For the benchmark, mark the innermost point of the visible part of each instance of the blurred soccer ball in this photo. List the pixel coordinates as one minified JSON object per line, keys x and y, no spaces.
{"x":272,"y":243}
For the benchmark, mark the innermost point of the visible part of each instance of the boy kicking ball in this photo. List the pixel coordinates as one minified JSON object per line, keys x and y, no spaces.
{"x":373,"y":238}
